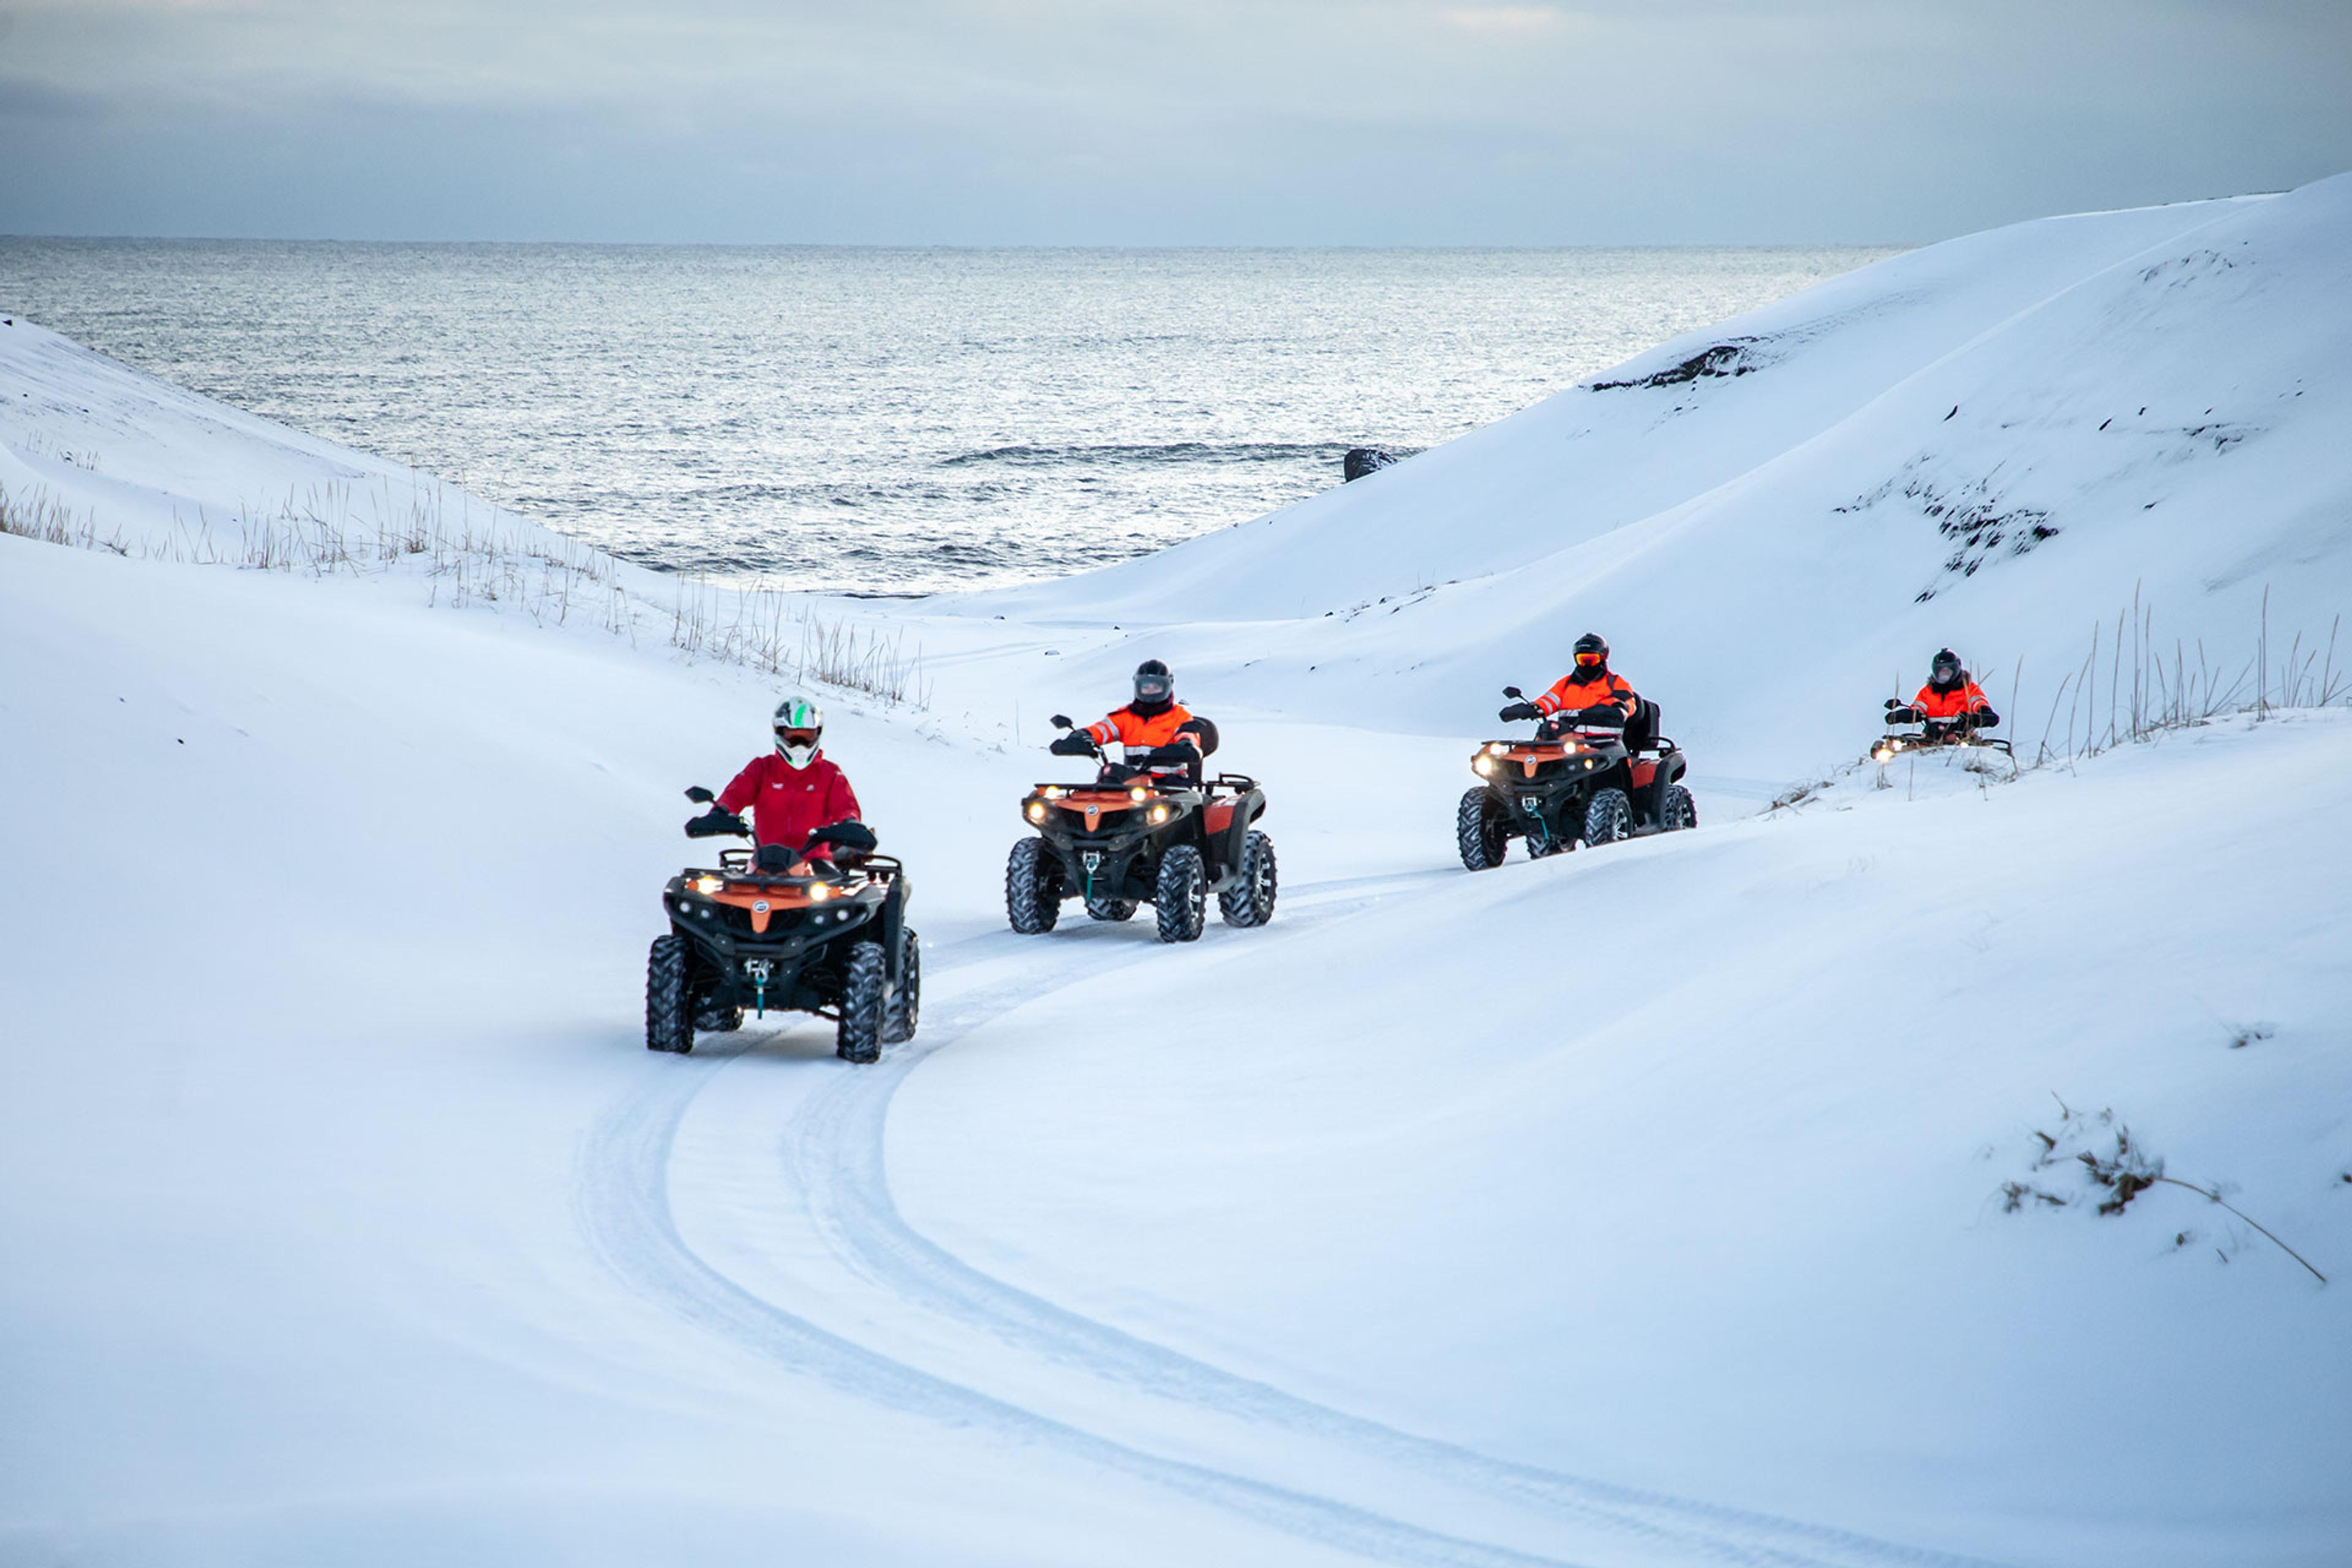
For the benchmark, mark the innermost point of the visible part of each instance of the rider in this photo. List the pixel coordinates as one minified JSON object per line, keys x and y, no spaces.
{"x":1950,"y":703}
{"x":1155,"y":723}
{"x":794,"y":790}
{"x":1593,"y":695}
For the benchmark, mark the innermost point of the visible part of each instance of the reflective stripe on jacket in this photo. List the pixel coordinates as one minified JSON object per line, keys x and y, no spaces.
{"x":1129,"y":728}
{"x":1574,"y":691}
{"x":1963,"y":698}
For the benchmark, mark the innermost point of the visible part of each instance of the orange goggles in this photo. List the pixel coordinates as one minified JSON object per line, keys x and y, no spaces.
{"x":1587,"y":660}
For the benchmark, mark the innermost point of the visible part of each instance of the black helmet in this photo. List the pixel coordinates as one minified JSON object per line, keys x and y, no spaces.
{"x":1592,"y":643}
{"x":1153,"y":683}
{"x":1946,"y":659}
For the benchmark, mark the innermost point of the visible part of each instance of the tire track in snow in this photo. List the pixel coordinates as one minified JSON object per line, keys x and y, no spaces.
{"x":838,"y":1134}
{"x":834,"y":1149}
{"x":625,"y":1209}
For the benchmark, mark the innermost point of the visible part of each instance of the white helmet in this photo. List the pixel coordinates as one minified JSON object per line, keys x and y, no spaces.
{"x":800,"y":725}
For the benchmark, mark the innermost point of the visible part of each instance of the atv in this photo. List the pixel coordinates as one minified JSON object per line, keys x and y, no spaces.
{"x":769,"y":928}
{"x":1934,"y":734}
{"x":1918,"y":736}
{"x":1153,"y":834}
{"x":1570,"y":784}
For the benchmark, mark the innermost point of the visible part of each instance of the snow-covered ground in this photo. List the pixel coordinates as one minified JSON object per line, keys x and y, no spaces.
{"x":1644,"y":1205}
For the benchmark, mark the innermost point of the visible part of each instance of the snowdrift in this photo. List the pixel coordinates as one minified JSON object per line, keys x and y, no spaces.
{"x":1646,"y":1206}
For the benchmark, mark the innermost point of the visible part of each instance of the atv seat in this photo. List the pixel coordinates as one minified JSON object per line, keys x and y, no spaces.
{"x":1641,"y":729}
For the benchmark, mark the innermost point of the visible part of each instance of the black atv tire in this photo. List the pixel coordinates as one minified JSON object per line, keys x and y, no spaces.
{"x":1249,"y":899}
{"x":669,"y":1020}
{"x":1033,"y":888}
{"x":1682,"y":811}
{"x":906,"y":1002}
{"x":1480,"y":830}
{"x":1099,"y":908}
{"x":865,"y":983}
{"x":1182,"y":896}
{"x":1607,"y":816}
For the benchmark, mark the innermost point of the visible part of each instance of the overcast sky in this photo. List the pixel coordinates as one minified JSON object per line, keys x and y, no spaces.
{"x":1152,"y":122}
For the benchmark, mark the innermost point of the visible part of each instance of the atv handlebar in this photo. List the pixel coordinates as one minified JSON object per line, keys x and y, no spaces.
{"x":717,"y":824}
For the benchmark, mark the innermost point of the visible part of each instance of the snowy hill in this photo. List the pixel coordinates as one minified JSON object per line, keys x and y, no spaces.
{"x":1647,"y":1205}
{"x":1990,"y":444}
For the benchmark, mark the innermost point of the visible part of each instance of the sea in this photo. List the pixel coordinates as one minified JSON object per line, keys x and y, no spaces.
{"x":881,"y":421}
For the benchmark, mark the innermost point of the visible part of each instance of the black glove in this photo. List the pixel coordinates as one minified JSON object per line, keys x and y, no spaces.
{"x":1116,"y":774}
{"x":851,"y":837}
{"x":1603,"y":715}
{"x":1983,"y":719}
{"x":1077,"y":744}
{"x":1900,"y":715}
{"x":717,"y":823}
{"x":1517,"y":710}
{"x":1176,"y":754}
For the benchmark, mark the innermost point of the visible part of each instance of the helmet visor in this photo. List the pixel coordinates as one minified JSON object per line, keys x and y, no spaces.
{"x":1153,"y":687}
{"x":1588,"y":658}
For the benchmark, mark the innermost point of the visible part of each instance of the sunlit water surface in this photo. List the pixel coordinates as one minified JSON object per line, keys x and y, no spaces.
{"x":881,"y":420}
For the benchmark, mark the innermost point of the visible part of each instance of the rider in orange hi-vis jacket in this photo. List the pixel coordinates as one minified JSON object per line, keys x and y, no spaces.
{"x":1592,"y":694}
{"x":1950,"y":703}
{"x":1154,"y":723}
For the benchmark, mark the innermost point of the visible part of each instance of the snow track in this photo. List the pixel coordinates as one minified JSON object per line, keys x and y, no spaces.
{"x":936,"y":1338}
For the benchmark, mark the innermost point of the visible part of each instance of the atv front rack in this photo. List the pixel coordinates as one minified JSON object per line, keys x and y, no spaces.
{"x":735,"y":864}
{"x":1888,"y":747}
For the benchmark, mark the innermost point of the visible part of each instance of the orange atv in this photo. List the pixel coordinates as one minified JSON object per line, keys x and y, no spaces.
{"x":1573,"y":782}
{"x":769,"y":928}
{"x":1155,"y":834}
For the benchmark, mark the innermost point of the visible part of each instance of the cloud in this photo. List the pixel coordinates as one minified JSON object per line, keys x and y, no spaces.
{"x":1277,"y":121}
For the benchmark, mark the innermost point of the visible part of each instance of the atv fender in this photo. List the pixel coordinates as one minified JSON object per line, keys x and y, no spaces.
{"x":893,"y":922}
{"x":1650,"y":781}
{"x":1225,"y":824}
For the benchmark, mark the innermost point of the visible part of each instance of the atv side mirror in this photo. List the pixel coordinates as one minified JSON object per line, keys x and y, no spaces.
{"x":1061,"y":720}
{"x":1515,"y":694}
{"x":699,"y":795}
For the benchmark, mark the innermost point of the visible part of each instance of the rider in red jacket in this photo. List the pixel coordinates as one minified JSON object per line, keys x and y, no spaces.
{"x":792,"y":790}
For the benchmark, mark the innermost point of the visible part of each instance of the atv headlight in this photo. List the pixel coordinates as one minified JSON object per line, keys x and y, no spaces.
{"x":1882,"y":754}
{"x":1159,"y":813}
{"x":1483,"y":764}
{"x":1497,"y":748}
{"x":707,"y":885}
{"x":1052,"y":792}
{"x":1138,"y":792}
{"x":819,"y":893}
{"x":1036,"y":811}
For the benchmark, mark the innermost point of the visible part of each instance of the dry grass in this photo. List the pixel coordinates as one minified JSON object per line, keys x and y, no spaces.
{"x":2154,"y":693}
{"x":483,"y":559}
{"x":2116,"y":1168}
